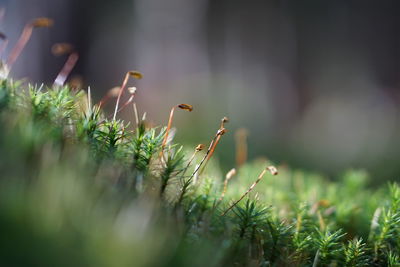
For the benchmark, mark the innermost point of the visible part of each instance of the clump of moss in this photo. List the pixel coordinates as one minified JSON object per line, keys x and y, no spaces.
{"x":80,"y":189}
{"x":95,"y":191}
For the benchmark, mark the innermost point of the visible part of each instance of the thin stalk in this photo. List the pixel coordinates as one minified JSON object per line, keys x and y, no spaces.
{"x":222,"y":126}
{"x":271,"y":169}
{"x":136,"y":114}
{"x":316,"y":259}
{"x":24,"y":38}
{"x":113,"y":92}
{"x":188,"y":182}
{"x":134,"y":74}
{"x":197,"y":149}
{"x":89,"y":100}
{"x":66,"y":70}
{"x":219,"y":132}
{"x":228,"y":176}
{"x":121,"y":90}
{"x":241,"y":146}
{"x":171,"y":117}
{"x":126,"y":103}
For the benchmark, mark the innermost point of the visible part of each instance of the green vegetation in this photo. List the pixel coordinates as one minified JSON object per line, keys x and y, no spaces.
{"x":78,"y":189}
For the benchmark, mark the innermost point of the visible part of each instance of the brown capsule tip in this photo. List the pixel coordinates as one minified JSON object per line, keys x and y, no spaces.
{"x":132,"y":90}
{"x":185,"y":107}
{"x":61,"y":49}
{"x":222,"y":131}
{"x":113,"y":92}
{"x":3,"y":36}
{"x":135,"y":74}
{"x":42,"y":22}
{"x":225,"y":120}
{"x":230,"y":174}
{"x":199,"y":147}
{"x":272,"y":170}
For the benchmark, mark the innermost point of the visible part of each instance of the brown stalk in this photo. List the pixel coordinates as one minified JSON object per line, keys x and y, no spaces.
{"x":219,"y":132}
{"x":241,"y":146}
{"x":223,"y":121}
{"x":198,"y":148}
{"x":60,"y":49}
{"x":132,"y":91}
{"x":228,"y":176}
{"x":126,"y":103}
{"x":113,"y":92}
{"x":171,"y":117}
{"x":24,"y":38}
{"x":222,"y":126}
{"x":186,"y":183}
{"x":271,"y":169}
{"x":134,"y":74}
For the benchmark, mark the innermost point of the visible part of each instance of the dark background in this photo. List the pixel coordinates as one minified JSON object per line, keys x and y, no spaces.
{"x":316,"y":83}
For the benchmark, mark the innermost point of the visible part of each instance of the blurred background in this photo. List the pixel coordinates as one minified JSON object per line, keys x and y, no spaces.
{"x":315,"y":83}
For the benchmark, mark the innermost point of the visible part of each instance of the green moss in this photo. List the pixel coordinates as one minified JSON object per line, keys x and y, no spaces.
{"x":78,"y":189}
